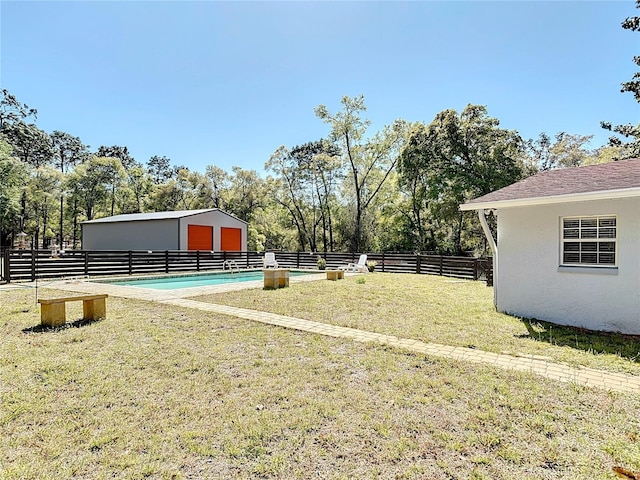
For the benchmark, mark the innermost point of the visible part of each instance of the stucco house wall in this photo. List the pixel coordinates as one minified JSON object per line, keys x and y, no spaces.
{"x":530,"y":279}
{"x":532,"y":283}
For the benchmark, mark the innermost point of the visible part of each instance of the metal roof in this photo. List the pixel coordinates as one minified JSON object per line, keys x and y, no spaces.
{"x":619,"y":179}
{"x":136,"y":217}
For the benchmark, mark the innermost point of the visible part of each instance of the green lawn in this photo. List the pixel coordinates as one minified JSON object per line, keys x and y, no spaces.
{"x":440,"y":310}
{"x":163,"y":392}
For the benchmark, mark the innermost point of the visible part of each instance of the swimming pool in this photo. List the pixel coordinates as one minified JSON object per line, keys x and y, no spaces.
{"x":201,"y":280}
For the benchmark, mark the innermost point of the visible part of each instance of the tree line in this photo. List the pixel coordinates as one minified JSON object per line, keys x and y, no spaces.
{"x":397,"y":189}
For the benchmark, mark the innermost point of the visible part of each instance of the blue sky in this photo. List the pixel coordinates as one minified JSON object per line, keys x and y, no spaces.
{"x":227,"y":83}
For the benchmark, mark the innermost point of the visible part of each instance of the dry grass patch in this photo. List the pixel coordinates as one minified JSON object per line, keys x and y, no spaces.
{"x":440,"y":310}
{"x":163,"y":392}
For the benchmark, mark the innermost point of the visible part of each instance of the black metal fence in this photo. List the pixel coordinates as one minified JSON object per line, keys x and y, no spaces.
{"x":27,"y":265}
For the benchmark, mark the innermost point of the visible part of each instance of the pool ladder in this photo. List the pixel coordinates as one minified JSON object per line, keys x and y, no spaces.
{"x":232,"y":266}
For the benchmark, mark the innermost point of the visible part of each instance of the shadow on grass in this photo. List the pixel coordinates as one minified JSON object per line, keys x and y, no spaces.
{"x":43,"y":328}
{"x":625,"y":346}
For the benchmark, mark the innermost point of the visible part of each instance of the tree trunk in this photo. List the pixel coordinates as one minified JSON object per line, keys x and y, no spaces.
{"x":113,"y":199}
{"x":23,"y":210}
{"x":357,"y":231}
{"x":61,"y":221}
{"x":37,"y":233}
{"x":45,"y":224}
{"x":75,"y":222}
{"x":458,"y":238}
{"x":324,"y":230}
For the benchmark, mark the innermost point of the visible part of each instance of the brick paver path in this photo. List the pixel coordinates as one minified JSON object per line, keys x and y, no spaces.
{"x":524,"y":363}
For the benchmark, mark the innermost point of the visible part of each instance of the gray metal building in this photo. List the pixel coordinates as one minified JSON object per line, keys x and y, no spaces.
{"x":209,"y":229}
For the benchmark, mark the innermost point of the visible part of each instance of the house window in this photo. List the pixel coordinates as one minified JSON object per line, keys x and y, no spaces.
{"x":590,"y":241}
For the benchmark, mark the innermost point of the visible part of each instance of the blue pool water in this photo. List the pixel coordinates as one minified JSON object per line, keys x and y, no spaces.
{"x":189,"y":281}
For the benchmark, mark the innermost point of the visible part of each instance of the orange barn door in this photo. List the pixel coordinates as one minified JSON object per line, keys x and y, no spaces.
{"x":199,"y":237}
{"x":230,"y":239}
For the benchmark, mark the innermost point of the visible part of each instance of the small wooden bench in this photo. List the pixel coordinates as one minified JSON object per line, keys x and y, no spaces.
{"x":335,"y":274}
{"x":54,"y":312}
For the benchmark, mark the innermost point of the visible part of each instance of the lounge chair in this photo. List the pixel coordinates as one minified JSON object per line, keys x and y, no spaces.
{"x":360,"y":267}
{"x":270,"y":260}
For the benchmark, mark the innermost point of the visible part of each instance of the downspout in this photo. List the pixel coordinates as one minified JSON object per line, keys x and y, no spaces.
{"x":494,"y":249}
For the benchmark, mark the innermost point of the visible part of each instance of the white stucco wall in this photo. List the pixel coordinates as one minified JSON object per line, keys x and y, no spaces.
{"x":531,"y":284}
{"x":142,"y":235}
{"x":216,"y":218}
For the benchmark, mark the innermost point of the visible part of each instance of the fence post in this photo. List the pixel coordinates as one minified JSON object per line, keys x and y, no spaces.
{"x":418,"y":263}
{"x":130,"y":262}
{"x":298,"y":259}
{"x":86,"y":262}
{"x":33,"y":264}
{"x":197,"y":260}
{"x":441,"y":264}
{"x":489,"y":271}
{"x":166,"y":261}
{"x":475,"y":269}
{"x":382,"y":262}
{"x":7,"y":266}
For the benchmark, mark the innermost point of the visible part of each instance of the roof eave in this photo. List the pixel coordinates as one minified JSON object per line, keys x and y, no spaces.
{"x":574,"y":197}
{"x":119,"y":219}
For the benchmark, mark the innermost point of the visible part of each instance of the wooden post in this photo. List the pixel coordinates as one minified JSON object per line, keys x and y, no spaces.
{"x":489,"y":271}
{"x":33,"y":264}
{"x":7,"y":266}
{"x":441,"y":262}
{"x":197,"y":260}
{"x":53,"y":315}
{"x":94,"y":309}
{"x":382,"y":262}
{"x":475,"y":269}
{"x":418,"y":263}
{"x":130,"y":262}
{"x":86,"y":262}
{"x":166,"y":261}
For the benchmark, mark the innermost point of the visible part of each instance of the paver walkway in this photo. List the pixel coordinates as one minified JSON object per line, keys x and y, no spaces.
{"x":524,"y":363}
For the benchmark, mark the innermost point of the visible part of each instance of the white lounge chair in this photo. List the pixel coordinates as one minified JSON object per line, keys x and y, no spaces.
{"x":361,"y":266}
{"x":270,"y":260}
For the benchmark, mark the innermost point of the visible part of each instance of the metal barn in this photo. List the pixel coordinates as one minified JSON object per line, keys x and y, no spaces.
{"x":209,"y":229}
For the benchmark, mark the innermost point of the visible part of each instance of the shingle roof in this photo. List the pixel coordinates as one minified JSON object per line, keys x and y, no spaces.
{"x":131,"y":217}
{"x":564,"y":184}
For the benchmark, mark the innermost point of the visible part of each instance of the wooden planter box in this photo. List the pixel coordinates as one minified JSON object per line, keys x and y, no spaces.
{"x":335,"y":274}
{"x":275,"y":278}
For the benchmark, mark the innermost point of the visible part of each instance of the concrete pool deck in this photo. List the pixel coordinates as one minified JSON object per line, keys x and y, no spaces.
{"x":612,"y":381}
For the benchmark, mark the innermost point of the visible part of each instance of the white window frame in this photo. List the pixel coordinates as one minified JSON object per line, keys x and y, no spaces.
{"x":582,"y":231}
